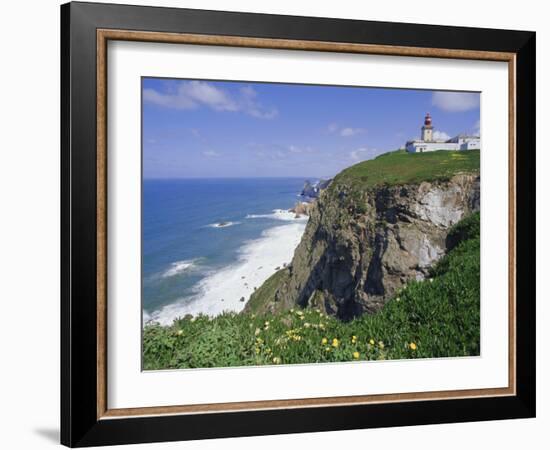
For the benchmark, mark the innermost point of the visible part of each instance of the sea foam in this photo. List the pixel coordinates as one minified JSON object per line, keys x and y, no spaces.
{"x":258,"y":260}
{"x":222,"y":224}
{"x":279,"y":214}
{"x":178,"y":267}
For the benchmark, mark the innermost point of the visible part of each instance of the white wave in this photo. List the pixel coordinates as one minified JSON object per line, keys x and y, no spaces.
{"x":222,"y":224}
{"x":146,"y":317}
{"x":178,"y":267}
{"x":279,"y":214}
{"x":258,"y":260}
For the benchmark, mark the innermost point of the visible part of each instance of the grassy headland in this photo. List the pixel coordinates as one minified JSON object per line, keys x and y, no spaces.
{"x":438,"y":317}
{"x":400,"y":167}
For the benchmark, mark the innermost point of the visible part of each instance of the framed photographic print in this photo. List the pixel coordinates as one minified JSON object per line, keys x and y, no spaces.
{"x":276,"y":224}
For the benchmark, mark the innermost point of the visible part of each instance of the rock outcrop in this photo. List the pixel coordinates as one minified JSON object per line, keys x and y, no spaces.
{"x":311,"y":191}
{"x":362,"y":245}
{"x":302,"y":209}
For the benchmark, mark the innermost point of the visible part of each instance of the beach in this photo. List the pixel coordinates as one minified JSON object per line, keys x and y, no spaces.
{"x":225,"y":290}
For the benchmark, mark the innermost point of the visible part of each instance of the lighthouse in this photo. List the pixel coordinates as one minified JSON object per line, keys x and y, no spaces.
{"x":427,"y":143}
{"x":427,"y":129}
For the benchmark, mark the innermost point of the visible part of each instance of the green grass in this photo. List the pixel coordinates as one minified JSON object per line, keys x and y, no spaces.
{"x":400,"y":167}
{"x":258,"y":300}
{"x":467,"y":228}
{"x":438,"y":317}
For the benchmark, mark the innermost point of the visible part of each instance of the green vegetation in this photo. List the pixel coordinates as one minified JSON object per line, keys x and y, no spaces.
{"x":467,"y":228}
{"x":400,"y":167}
{"x":257,"y":302}
{"x":438,"y":317}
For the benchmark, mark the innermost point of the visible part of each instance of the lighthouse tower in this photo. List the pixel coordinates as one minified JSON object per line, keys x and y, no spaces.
{"x":427,"y":129}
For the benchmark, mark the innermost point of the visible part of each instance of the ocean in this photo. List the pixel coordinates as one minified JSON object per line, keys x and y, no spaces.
{"x":206,"y":243}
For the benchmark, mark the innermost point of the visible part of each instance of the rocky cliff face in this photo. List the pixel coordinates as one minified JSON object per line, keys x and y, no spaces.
{"x":361,"y":246}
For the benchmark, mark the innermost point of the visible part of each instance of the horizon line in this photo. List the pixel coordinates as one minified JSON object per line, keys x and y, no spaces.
{"x":233,"y":178}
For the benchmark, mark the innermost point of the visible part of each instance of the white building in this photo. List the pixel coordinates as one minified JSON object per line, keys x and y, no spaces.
{"x":426,"y":143}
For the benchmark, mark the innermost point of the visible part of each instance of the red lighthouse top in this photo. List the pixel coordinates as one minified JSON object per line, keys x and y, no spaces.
{"x":428,"y":120}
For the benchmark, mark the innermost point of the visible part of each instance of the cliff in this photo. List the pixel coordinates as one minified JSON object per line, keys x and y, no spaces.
{"x":439,"y":318}
{"x":379,"y":225}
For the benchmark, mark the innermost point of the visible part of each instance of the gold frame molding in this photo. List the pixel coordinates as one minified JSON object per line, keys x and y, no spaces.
{"x":105,"y":35}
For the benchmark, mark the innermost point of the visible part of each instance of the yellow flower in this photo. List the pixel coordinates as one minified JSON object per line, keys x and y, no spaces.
{"x":371,"y":342}
{"x":353,"y":339}
{"x":257,"y":332}
{"x":300,"y":313}
{"x":327,"y":349}
{"x":324,"y":341}
{"x":380,"y":344}
{"x":335,"y":342}
{"x":307,"y":325}
{"x":322,"y":326}
{"x":266,"y":323}
{"x":277,"y":360}
{"x":257,"y":350}
{"x":356,"y":355}
{"x":412,"y":346}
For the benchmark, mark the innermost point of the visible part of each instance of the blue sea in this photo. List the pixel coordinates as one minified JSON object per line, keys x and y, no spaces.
{"x":207,"y":243}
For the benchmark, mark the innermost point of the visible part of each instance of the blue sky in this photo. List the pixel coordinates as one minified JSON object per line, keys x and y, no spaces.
{"x":195,"y":128}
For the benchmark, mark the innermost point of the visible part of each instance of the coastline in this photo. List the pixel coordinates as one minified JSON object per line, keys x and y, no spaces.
{"x":258,"y":259}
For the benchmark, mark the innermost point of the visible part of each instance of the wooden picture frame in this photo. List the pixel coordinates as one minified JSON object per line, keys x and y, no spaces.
{"x":86,"y":418}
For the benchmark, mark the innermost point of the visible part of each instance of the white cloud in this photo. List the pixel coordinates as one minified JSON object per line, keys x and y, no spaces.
{"x":298,"y":149}
{"x":211,"y":154}
{"x":344,"y":131}
{"x":191,"y":95}
{"x":294,"y":149}
{"x":440,"y":136}
{"x":348,"y":131}
{"x":455,"y":101}
{"x":194,"y":94}
{"x":361,"y":153}
{"x":251,"y":106}
{"x":333,"y":127}
{"x":477,"y":128}
{"x":169,"y":101}
{"x":205,"y":93}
